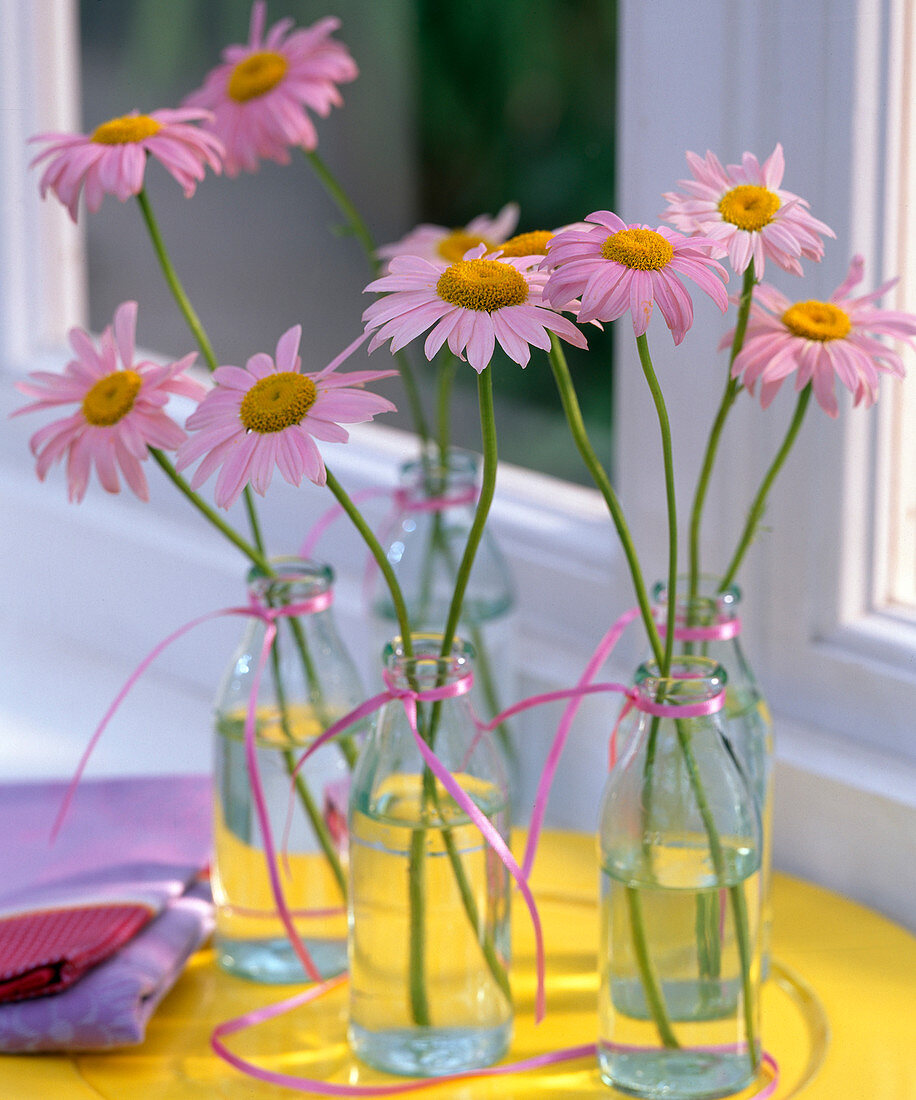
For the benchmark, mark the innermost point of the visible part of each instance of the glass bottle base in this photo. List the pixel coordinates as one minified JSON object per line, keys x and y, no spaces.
{"x":675,"y":1074}
{"x":274,"y":962}
{"x":430,"y":1051}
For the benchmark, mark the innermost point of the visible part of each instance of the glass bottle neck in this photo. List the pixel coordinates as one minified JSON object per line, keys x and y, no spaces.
{"x":694,"y":687}
{"x":425,"y":670}
{"x":429,"y":485}
{"x":706,"y":614}
{"x":294,"y":581}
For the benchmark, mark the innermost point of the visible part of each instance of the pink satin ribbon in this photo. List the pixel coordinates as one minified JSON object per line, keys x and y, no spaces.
{"x":254,"y":609}
{"x":409,"y":698}
{"x":268,"y":615}
{"x":722,"y":631}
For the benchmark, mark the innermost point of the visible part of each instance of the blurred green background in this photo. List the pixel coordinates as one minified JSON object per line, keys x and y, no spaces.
{"x":460,"y":107}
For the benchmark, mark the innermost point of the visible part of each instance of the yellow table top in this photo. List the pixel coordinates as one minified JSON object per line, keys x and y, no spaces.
{"x":839,"y":1011}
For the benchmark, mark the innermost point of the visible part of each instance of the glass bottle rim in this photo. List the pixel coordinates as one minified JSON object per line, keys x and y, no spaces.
{"x":691,"y":679}
{"x":293,"y":578}
{"x":708,"y":600}
{"x":459,"y":467}
{"x":426,"y":663}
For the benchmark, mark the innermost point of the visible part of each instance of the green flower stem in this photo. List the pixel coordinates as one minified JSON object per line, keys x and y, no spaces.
{"x":253,"y":522}
{"x":397,"y":597}
{"x":642,"y":346}
{"x":736,"y":891}
{"x":577,"y":427}
{"x":487,"y":946}
{"x":343,"y":741}
{"x":706,"y":926}
{"x":254,"y":555}
{"x":168,"y":270}
{"x":197,"y":329}
{"x":355,"y":222}
{"x":360,"y":230}
{"x":484,"y":668}
{"x":655,"y":999}
{"x":487,"y":489}
{"x":416,"y":896}
{"x":759,"y":505}
{"x":739,"y":907}
{"x":706,"y":816}
{"x":416,"y":879}
{"x":732,"y":389}
{"x":319,"y":825}
{"x":437,"y":544}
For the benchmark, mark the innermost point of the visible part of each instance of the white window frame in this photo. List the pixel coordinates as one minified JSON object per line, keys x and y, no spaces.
{"x":90,"y":620}
{"x":838,"y":670}
{"x":43,"y":290}
{"x":895,"y":526}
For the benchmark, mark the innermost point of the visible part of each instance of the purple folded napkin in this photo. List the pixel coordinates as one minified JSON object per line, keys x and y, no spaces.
{"x":95,"y":928}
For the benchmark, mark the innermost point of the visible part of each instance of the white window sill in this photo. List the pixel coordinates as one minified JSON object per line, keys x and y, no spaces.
{"x":109,"y":578}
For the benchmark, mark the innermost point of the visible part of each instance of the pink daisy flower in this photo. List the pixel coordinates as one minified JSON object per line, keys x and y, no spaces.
{"x":270,"y":414}
{"x":112,"y":159}
{"x":820,"y":340}
{"x":743,"y":209}
{"x":260,"y":93}
{"x":472,"y":304}
{"x":444,"y":246}
{"x":613,"y":267}
{"x":121,"y":408}
{"x":534,"y":245}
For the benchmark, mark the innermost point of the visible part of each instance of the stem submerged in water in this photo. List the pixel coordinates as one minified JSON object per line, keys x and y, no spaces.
{"x":416,"y":869}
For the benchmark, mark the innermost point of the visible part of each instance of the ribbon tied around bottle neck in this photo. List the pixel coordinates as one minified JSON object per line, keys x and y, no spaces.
{"x":723,"y":630}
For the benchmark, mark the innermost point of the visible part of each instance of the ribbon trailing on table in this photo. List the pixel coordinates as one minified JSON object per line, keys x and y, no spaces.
{"x":316,"y":1087}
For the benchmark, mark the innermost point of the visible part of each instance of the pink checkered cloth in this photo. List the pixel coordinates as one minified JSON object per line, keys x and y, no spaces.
{"x":96,"y":928}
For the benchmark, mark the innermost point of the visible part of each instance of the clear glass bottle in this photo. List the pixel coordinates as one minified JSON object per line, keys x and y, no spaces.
{"x":709,"y":624}
{"x":679,"y":846}
{"x":429,"y":899}
{"x":424,"y":546}
{"x":308,"y":682}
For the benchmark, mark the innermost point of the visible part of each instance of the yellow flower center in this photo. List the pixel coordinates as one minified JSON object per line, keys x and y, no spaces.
{"x":111,"y":398}
{"x":528,"y":244}
{"x":256,"y":75}
{"x":482,"y":285}
{"x":749,"y":207}
{"x":124,"y":130}
{"x":814,"y":320}
{"x":642,"y":249}
{"x":275,"y":403}
{"x":454,"y":246}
